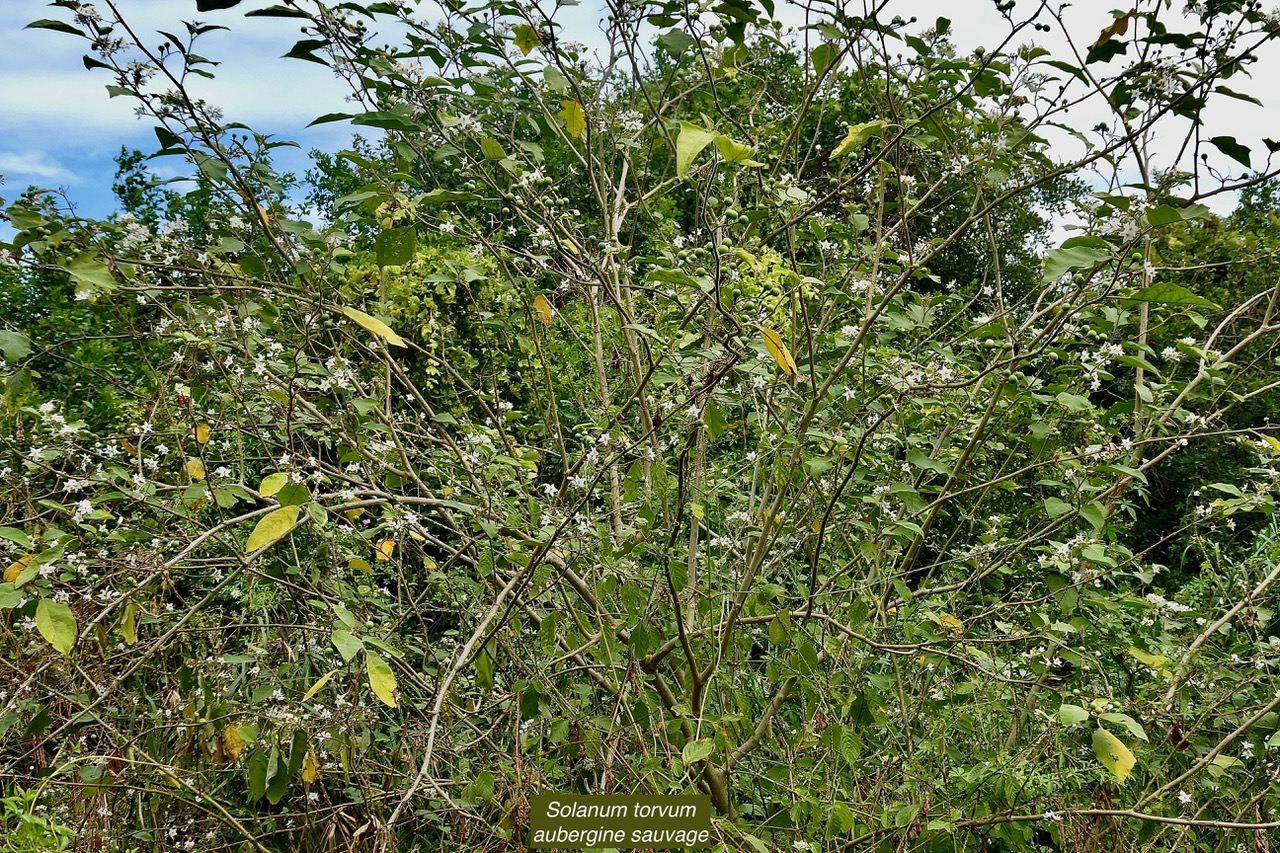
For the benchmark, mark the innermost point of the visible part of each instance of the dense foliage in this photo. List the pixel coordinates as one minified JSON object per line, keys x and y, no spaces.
{"x":715,"y":409}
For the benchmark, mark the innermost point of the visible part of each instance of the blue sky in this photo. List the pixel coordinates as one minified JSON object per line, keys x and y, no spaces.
{"x":61,"y":130}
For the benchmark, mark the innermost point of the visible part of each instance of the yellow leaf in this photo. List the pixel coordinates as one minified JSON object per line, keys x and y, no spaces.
{"x":319,"y":685}
{"x":195,"y":468}
{"x":129,"y":625}
{"x":361,"y":565}
{"x":272,"y":526}
{"x":381,"y":678}
{"x":202,"y":432}
{"x":310,"y":767}
{"x":773,"y":343}
{"x":272,"y":484}
{"x":1272,"y":440}
{"x":951,"y":624}
{"x":128,"y":447}
{"x":544,"y":309}
{"x":373,"y":324}
{"x":385,"y":549}
{"x":1156,"y":662}
{"x":232,"y":743}
{"x":527,"y":38}
{"x":353,"y":514}
{"x":1118,"y":27}
{"x":858,"y":136}
{"x":15,"y":569}
{"x":575,"y":120}
{"x":1113,"y":754}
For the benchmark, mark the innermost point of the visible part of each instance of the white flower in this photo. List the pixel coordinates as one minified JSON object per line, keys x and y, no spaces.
{"x":1184,"y":798}
{"x":1052,"y":815}
{"x":82,"y":509}
{"x":550,"y":489}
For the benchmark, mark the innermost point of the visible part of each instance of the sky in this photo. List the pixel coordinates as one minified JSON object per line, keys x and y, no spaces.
{"x":61,"y":130}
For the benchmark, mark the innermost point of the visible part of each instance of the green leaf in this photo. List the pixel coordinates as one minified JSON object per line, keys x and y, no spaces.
{"x":294,"y":494}
{"x":92,"y":276}
{"x":256,"y":771}
{"x":491,"y":149}
{"x":696,"y":750}
{"x":1165,"y":214}
{"x":1113,"y":754}
{"x":440,"y":196}
{"x":57,"y":624}
{"x":1168,"y":293}
{"x":396,"y":246}
{"x":305,"y":49}
{"x":1130,"y":724}
{"x":1071,"y":714}
{"x":1233,"y":149}
{"x":59,"y":26}
{"x":1061,"y":261}
{"x":9,"y":596}
{"x":167,"y":138}
{"x":373,"y":324}
{"x":823,"y":57}
{"x":676,"y":42}
{"x":1073,"y":402}
{"x":330,"y":117}
{"x":17,"y":537}
{"x":297,"y":752}
{"x":14,"y":345}
{"x":555,"y":80}
{"x":381,"y":679}
{"x":347,"y":644}
{"x":271,"y":527}
{"x":689,"y":144}
{"x":1056,"y":507}
{"x":921,"y":459}
{"x":277,"y":777}
{"x":389,"y":121}
{"x":575,"y":120}
{"x":858,"y":136}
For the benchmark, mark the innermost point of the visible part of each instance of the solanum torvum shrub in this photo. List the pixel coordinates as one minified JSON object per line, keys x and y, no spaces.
{"x":794,"y":407}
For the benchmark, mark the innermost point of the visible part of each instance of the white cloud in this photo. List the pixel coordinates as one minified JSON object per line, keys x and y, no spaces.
{"x":24,"y":167}
{"x":48,"y":96}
